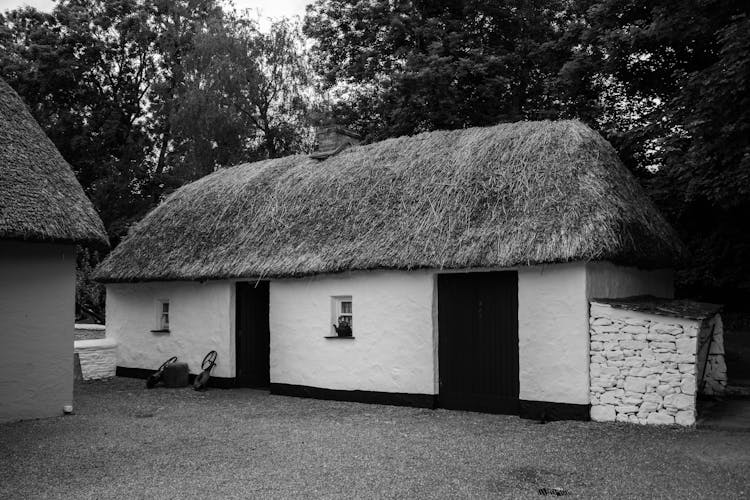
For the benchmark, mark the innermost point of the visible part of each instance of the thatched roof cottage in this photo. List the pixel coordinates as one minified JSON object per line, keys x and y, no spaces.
{"x":460,"y":262}
{"x":43,"y":214}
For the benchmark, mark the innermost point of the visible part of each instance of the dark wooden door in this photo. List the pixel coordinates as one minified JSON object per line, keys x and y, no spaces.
{"x":252,"y":338}
{"x":478,"y":341}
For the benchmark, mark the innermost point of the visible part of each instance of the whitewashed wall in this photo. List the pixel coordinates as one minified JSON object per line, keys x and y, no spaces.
{"x":395,"y":327}
{"x":553,"y":333}
{"x":393,"y":349}
{"x":97,"y":358}
{"x":605,"y":280}
{"x":37,"y":302}
{"x":201,"y":319}
{"x":553,"y":321}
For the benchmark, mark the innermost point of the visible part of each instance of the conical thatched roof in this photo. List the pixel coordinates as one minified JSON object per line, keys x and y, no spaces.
{"x":40,"y":197}
{"x":513,"y":194}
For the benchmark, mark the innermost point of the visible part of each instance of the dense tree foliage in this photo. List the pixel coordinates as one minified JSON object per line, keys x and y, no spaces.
{"x":665,"y":81}
{"x":683,"y":71}
{"x":409,"y":66}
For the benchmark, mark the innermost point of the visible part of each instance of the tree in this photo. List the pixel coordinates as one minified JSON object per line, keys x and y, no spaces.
{"x":409,"y":66}
{"x":258,"y":80}
{"x":269,"y":78}
{"x":677,"y":77}
{"x":176,"y":24}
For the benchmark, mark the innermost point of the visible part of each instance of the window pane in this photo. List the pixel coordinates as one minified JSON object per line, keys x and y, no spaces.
{"x":346,"y":307}
{"x":165,"y":307}
{"x":164,"y":321}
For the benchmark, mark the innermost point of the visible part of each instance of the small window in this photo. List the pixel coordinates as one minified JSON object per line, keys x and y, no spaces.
{"x":162,"y":319}
{"x":343,"y":317}
{"x":164,"y":316}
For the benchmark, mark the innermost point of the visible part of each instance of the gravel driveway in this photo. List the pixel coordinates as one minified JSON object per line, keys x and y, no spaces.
{"x":126,"y":442}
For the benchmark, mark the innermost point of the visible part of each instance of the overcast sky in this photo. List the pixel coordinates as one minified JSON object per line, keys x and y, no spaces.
{"x":267,"y":8}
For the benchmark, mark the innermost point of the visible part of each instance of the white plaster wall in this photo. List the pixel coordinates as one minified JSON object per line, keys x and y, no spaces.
{"x":553,"y":333}
{"x":37,"y":302}
{"x":553,"y":322}
{"x":605,"y":280}
{"x":393,"y":349}
{"x":201,"y":319}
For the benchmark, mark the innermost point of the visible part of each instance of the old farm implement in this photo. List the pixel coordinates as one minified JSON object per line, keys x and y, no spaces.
{"x":202,"y":379}
{"x":156,"y":377}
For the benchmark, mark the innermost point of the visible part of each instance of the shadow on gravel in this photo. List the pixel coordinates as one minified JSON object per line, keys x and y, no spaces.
{"x":727,"y":415}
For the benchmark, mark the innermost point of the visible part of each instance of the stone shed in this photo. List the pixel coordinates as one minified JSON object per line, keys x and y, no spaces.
{"x":651,"y":359}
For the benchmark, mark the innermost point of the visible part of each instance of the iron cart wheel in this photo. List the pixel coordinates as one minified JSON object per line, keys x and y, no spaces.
{"x":202,"y":379}
{"x":209,"y":361}
{"x":155,"y":377}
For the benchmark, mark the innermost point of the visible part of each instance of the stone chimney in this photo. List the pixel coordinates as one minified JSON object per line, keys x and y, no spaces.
{"x":333,"y":139}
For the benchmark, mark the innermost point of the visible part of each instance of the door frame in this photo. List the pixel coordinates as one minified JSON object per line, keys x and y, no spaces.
{"x":512,"y":405}
{"x":243,"y":352}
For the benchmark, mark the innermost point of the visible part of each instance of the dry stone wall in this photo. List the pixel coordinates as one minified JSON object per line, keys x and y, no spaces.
{"x":643,"y":367}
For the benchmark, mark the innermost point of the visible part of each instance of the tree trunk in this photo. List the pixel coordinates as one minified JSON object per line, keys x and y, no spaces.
{"x":270,"y":146}
{"x":166,"y":135}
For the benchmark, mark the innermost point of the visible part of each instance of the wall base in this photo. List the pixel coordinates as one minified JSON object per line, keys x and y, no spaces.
{"x":143,"y":373}
{"x":535,"y":410}
{"x":547,"y":412}
{"x":386,"y":398}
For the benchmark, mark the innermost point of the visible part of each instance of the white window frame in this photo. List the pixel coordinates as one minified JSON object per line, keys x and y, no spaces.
{"x":337,"y":302}
{"x":160,"y":303}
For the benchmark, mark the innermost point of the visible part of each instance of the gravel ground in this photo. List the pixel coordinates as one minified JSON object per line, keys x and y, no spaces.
{"x":126,"y":442}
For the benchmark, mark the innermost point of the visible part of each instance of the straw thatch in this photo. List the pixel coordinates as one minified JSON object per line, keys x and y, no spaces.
{"x":40,"y":198}
{"x":514,"y":194}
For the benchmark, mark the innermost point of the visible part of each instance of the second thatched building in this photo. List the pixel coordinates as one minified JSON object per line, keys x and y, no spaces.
{"x":449,"y":269}
{"x":44,"y":213}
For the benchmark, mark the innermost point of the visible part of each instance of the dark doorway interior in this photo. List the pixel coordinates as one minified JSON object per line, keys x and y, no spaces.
{"x":478,"y":341}
{"x":252,"y":337}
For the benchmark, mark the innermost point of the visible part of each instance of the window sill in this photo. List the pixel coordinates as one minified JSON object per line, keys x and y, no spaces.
{"x":337,"y":337}
{"x":159,"y":331}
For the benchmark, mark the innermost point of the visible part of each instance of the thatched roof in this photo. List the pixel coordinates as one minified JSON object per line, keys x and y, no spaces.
{"x":513,"y":194}
{"x":40,"y":198}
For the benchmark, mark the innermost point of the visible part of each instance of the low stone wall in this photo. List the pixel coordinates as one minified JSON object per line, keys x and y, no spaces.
{"x":84,"y":331}
{"x":643,"y":367}
{"x":98,"y":358}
